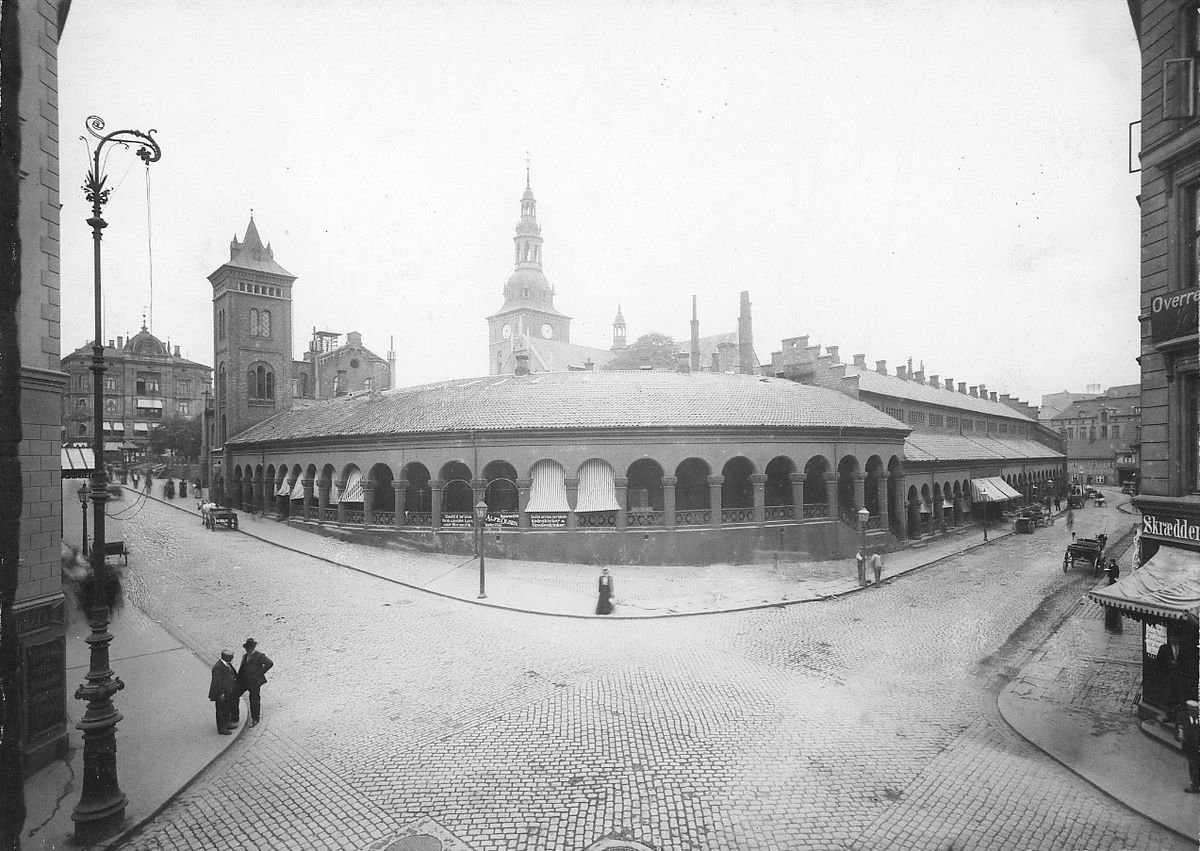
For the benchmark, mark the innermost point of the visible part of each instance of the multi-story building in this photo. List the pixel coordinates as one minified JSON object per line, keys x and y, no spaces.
{"x":31,"y":597}
{"x":331,"y":368}
{"x":1102,"y":435}
{"x":959,"y":435}
{"x":145,"y":382}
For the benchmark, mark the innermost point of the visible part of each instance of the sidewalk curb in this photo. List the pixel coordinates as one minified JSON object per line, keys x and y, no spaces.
{"x":751,"y":608}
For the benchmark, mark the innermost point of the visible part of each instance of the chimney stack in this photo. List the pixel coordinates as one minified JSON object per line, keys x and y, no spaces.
{"x":934,"y":382}
{"x":177,"y":351}
{"x":695,"y":350}
{"x":110,"y":344}
{"x":983,"y":391}
{"x":832,"y":351}
{"x":881,"y":367}
{"x":860,"y":361}
{"x":975,"y":390}
{"x":120,"y":342}
{"x":682,"y":362}
{"x":992,"y":396}
{"x":745,"y":337}
{"x":950,"y":384}
{"x":902,"y":372}
{"x":962,"y":387}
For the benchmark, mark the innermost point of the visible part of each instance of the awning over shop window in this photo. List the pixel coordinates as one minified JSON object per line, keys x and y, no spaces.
{"x":298,"y":488}
{"x":1167,"y":587}
{"x":111,"y":447}
{"x":597,"y":489}
{"x":335,"y":495}
{"x":354,"y":488}
{"x":549,"y":490}
{"x":284,"y":488}
{"x":947,"y":504}
{"x":926,"y":508}
{"x":150,"y":403}
{"x":141,"y":428}
{"x":78,"y":462}
{"x":992,"y":489}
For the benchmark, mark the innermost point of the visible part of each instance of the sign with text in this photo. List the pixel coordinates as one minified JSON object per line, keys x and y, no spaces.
{"x":503,"y":518}
{"x":1174,"y":315}
{"x":1171,"y":529}
{"x":556,"y":520}
{"x":458,"y":520}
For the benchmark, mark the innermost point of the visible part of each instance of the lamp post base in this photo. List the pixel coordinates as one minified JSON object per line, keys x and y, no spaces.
{"x":98,"y":821}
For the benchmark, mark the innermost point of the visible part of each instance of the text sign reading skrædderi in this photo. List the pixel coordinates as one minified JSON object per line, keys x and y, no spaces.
{"x":1174,"y":315}
{"x":1174,"y":529}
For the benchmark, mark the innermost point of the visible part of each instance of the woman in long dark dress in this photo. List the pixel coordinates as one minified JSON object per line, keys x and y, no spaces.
{"x":604,"y":604}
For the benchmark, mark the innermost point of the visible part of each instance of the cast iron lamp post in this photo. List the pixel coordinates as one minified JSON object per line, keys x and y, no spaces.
{"x":863,"y":517}
{"x":480,"y":516}
{"x":83,"y":501}
{"x":101,"y":807}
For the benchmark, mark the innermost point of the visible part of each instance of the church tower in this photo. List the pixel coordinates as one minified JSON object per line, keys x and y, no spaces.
{"x":252,"y":337}
{"x":528,"y":310}
{"x":619,"y":340}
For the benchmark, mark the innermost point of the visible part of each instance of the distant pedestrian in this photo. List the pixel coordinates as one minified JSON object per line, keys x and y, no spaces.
{"x":861,"y":560}
{"x":149,"y":481}
{"x":183,"y":488}
{"x":1112,"y":615}
{"x":251,"y":677}
{"x":1057,"y":503}
{"x":1114,"y":571}
{"x":223,"y":691}
{"x":1169,"y":665}
{"x":1190,"y":730}
{"x":606,"y":592}
{"x":169,"y":489}
{"x":1071,"y":522}
{"x":877,"y":567}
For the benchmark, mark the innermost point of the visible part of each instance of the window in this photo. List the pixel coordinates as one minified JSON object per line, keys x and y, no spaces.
{"x":1091,"y":434}
{"x":110,"y":406}
{"x":916,"y":418}
{"x":951,"y":422}
{"x":936,"y":420}
{"x":82,"y":429}
{"x":183,"y":407}
{"x":1179,"y":99}
{"x":1189,"y":463}
{"x":149,"y":383}
{"x":339,"y":383}
{"x":1104,"y":431}
{"x":221,"y":390}
{"x":260,"y":383}
{"x":895,"y":413}
{"x":968,"y":424}
{"x":991,"y":427}
{"x":221,"y":324}
{"x":367,"y":384}
{"x":264,"y":324}
{"x":253,"y":322}
{"x":1070,"y":433}
{"x":110,"y":382}
{"x":81,"y":403}
{"x":1004,"y":428}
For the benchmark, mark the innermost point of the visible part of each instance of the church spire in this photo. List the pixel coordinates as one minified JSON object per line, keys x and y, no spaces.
{"x":528,"y":237}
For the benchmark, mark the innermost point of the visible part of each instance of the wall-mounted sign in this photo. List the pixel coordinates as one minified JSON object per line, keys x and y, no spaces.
{"x":503,"y":518}
{"x":557,"y":520}
{"x":458,"y":520}
{"x":1171,"y":529}
{"x":1174,"y":314}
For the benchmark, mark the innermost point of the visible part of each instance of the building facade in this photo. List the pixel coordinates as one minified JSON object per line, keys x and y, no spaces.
{"x":31,"y":588}
{"x":146,"y":382}
{"x":332,"y":368}
{"x":1102,"y":436}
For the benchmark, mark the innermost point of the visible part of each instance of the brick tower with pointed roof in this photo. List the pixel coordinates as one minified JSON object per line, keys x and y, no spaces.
{"x":252,"y":338}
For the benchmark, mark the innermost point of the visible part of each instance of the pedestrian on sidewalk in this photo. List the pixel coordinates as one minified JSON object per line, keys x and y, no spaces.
{"x":251,"y":677}
{"x":1112,"y":615}
{"x":1071,"y":522}
{"x":1190,"y":730}
{"x":607,"y":590}
{"x":1169,"y":666}
{"x":862,"y":568}
{"x":877,"y":567}
{"x":222,"y":691}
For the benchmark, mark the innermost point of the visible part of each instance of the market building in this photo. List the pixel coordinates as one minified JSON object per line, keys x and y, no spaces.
{"x":962,"y":438}
{"x":626,"y":467}
{"x":1163,"y":594}
{"x":145,"y":382}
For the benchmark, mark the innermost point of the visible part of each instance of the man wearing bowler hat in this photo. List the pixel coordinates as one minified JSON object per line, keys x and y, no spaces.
{"x":251,"y":677}
{"x":223,"y":690}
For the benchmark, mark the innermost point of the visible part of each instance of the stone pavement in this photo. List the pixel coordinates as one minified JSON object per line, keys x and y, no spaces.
{"x":550,"y":589}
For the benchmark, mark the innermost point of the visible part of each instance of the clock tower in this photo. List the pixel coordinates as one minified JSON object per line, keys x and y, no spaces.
{"x":528,"y":313}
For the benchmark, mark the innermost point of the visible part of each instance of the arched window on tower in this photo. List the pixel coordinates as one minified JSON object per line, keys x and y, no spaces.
{"x":221,"y":385}
{"x":536,"y":254}
{"x":253,"y":322}
{"x":264,"y":324}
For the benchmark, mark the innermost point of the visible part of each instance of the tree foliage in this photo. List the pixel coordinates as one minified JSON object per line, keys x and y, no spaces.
{"x":653,"y":349}
{"x":180,"y":434}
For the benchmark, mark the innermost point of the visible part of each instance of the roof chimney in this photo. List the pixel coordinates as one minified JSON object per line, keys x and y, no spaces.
{"x":745,"y":337}
{"x":962,"y":387}
{"x":902,"y":372}
{"x":522,"y":367}
{"x":110,"y":344}
{"x":983,"y":391}
{"x":683,"y":362}
{"x":919,"y":375}
{"x":992,"y":396}
{"x":832,"y":351}
{"x":950,"y":384}
{"x":861,"y":361}
{"x":177,"y":351}
{"x":120,"y":342}
{"x":934,"y":382}
{"x":881,"y":367}
{"x":974,"y":389}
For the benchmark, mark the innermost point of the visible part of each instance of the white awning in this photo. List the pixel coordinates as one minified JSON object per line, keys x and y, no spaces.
{"x":298,"y":488}
{"x":992,"y":489}
{"x":549,"y":490}
{"x":150,"y":403}
{"x":354,"y":488}
{"x":118,"y":426}
{"x":334,"y":494}
{"x":284,"y":488}
{"x":597,"y":489}
{"x":77,"y":462}
{"x":141,"y":427}
{"x":1167,"y":587}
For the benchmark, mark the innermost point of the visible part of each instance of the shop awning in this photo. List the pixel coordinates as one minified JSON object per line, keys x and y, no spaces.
{"x":335,"y":495}
{"x":141,"y":428}
{"x":354,"y":488}
{"x":1167,"y":587}
{"x":78,"y":462}
{"x":149,"y":403}
{"x":284,"y":488}
{"x":298,"y":488}
{"x":597,"y":488}
{"x":549,"y":490}
{"x":992,"y":489}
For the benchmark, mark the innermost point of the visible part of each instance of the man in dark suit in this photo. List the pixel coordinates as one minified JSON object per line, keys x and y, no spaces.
{"x":251,"y":677}
{"x":223,"y":690}
{"x":1168,"y":660}
{"x":1190,"y":729}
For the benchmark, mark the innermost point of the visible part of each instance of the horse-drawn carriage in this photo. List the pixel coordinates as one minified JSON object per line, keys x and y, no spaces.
{"x":1030,"y":517}
{"x":212,"y":514}
{"x":1086,"y":550}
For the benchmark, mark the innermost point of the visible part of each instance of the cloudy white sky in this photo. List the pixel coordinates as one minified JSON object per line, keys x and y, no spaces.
{"x":941,"y":180}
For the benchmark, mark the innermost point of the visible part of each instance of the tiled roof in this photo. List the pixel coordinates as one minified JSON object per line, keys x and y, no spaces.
{"x":923,"y":446}
{"x":870,"y":381}
{"x":557,"y":356}
{"x":568,"y":400}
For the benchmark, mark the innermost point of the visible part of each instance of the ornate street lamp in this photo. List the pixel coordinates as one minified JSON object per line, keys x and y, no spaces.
{"x":480,"y":516}
{"x":101,"y":807}
{"x":863,"y":517}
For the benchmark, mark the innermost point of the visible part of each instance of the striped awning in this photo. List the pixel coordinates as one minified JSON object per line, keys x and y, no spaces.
{"x":992,"y":489}
{"x":78,"y":462}
{"x":298,"y":488}
{"x":597,"y":488}
{"x":1167,"y":587}
{"x":354,"y":488}
{"x":549,"y":489}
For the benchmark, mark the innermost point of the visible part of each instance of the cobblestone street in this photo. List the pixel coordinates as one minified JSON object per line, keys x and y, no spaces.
{"x":863,"y":722}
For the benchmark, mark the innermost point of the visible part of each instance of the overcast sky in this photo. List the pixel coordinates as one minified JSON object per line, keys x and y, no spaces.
{"x":941,"y":180}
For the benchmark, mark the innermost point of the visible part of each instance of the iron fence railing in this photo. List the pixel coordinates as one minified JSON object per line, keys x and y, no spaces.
{"x":596,"y":519}
{"x":816,"y":511}
{"x":780,"y":512}
{"x":693,"y":517}
{"x":642,"y":519}
{"x":737,"y":515}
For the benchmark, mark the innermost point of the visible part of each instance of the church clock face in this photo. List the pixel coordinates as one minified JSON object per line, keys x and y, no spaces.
{"x":506,"y":331}
{"x":547,"y":331}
